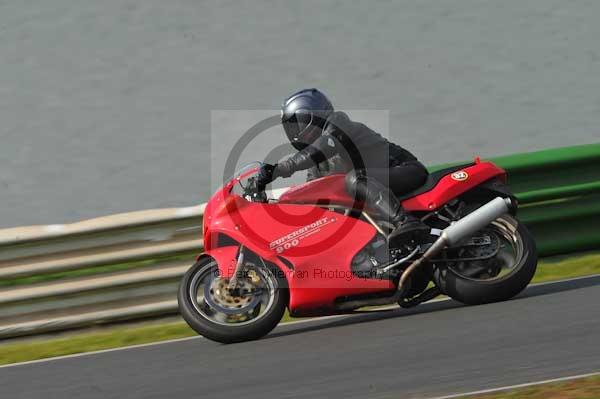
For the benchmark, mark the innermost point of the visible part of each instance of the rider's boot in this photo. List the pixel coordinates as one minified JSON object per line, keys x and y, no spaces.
{"x":380,"y":198}
{"x":405,"y":225}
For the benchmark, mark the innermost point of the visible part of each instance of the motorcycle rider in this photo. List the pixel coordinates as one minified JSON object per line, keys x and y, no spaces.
{"x":329,"y":142}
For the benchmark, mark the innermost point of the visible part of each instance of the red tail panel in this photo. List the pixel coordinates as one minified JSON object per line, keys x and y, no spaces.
{"x":453,"y":185}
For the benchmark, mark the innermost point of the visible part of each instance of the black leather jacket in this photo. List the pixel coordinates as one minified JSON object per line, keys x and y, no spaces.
{"x":344,"y":146}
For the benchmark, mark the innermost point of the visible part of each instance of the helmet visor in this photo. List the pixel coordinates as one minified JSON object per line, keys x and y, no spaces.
{"x":300,"y":129}
{"x":297,"y":124}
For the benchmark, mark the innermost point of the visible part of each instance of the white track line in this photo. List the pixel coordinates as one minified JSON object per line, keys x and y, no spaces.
{"x":170,"y":341}
{"x":510,"y":387}
{"x":92,"y":353}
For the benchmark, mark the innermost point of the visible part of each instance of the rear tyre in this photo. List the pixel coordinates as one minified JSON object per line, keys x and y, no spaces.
{"x":208,"y":307}
{"x":519,"y":271}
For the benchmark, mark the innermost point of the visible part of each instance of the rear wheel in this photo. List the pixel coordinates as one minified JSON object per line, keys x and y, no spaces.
{"x":213,"y":310}
{"x":496,"y":278}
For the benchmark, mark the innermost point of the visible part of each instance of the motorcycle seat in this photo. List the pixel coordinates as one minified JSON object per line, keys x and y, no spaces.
{"x":432,"y":180}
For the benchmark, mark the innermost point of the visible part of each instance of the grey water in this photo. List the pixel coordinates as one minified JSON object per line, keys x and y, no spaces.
{"x":105,"y":107}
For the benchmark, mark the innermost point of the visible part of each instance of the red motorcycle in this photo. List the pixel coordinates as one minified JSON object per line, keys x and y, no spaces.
{"x":317,"y":251}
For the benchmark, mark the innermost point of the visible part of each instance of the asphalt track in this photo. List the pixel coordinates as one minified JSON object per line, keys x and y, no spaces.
{"x":438,"y":348}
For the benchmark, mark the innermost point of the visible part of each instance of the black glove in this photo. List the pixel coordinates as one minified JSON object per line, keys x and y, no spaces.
{"x":265,"y":176}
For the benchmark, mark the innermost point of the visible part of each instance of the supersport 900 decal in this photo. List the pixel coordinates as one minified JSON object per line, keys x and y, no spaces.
{"x":293,"y":239}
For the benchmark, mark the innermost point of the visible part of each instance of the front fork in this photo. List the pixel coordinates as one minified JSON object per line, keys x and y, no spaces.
{"x":238,"y":268}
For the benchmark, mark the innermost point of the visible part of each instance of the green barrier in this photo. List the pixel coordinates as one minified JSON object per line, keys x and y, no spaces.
{"x":556,"y":169}
{"x":559,"y":195}
{"x":565,"y":226}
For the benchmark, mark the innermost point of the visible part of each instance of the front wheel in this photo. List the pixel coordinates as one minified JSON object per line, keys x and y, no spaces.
{"x":213,"y":310}
{"x":498,"y":278}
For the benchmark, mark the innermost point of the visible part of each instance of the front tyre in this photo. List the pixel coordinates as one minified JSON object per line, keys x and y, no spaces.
{"x":215,"y":312}
{"x":497,"y":279}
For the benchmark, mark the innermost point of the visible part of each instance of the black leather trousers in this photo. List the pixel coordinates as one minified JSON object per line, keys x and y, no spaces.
{"x":378,"y":188}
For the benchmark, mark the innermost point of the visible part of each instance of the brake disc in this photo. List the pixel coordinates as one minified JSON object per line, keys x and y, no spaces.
{"x":219,"y":297}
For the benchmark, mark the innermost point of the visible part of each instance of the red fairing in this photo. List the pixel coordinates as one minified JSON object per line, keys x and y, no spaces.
{"x":453,"y":185}
{"x":317,"y":243}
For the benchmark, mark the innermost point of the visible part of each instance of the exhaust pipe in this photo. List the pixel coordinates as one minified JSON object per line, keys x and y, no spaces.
{"x":463,"y":228}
